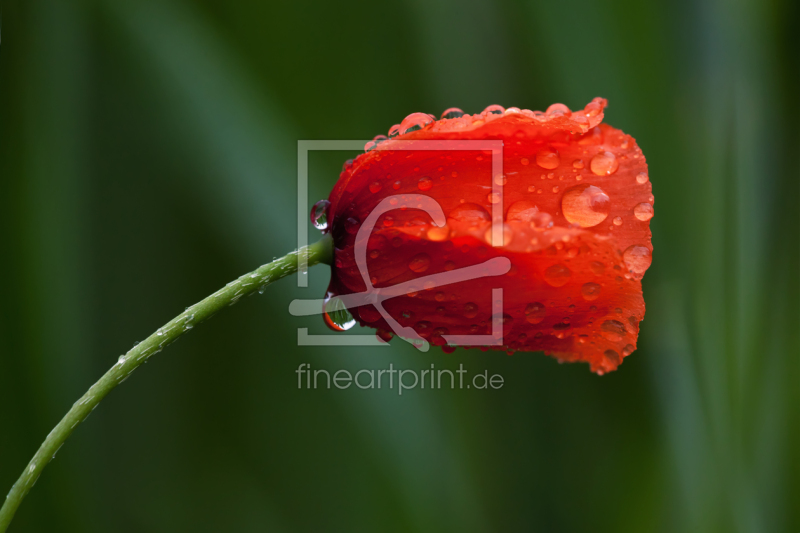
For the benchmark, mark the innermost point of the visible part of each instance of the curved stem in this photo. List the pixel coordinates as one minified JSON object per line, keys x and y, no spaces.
{"x":320,"y":252}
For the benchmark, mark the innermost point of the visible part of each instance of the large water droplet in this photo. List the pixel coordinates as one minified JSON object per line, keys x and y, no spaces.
{"x":548,"y":159}
{"x":471,"y":213}
{"x":643,"y":212}
{"x":420,"y":263}
{"x":585,"y":205}
{"x":590,"y":291}
{"x":535,"y":312}
{"x":557,"y":275}
{"x":641,"y":178}
{"x":336,"y":315}
{"x":523,"y":211}
{"x":319,"y":215}
{"x":414,"y":122}
{"x":637,"y":258}
{"x":452,"y":112}
{"x":604,"y":164}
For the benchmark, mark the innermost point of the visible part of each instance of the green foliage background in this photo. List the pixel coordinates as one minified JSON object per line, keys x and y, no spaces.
{"x":148,"y":156}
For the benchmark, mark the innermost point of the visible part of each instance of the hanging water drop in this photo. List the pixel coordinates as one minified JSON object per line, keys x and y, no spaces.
{"x":336,"y":315}
{"x":319,"y":215}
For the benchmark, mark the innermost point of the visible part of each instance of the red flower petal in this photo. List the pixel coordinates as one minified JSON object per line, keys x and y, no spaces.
{"x":577,"y":204}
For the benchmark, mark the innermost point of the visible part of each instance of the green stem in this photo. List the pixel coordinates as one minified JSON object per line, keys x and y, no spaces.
{"x":320,"y":252}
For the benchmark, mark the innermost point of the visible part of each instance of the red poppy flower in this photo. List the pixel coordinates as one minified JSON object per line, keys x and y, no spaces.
{"x":577,"y":204}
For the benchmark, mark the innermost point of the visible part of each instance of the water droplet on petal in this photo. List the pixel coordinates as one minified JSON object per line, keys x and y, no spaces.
{"x":542,"y":221}
{"x":438,"y":234}
{"x":374,"y":187}
{"x":522,"y":210}
{"x":643,"y":212}
{"x":535,"y":312}
{"x":508,"y":235}
{"x":524,"y":161}
{"x":613,"y":330}
{"x":470,"y":310}
{"x":548,"y":159}
{"x":420,"y":263}
{"x":494,"y":110}
{"x":557,"y":110}
{"x":557,"y":275}
{"x":319,"y":215}
{"x":585,"y":205}
{"x":452,"y":112}
{"x":423,"y":328}
{"x":613,"y":357}
{"x":578,"y":163}
{"x":637,"y":258}
{"x":470,"y":213}
{"x":371,"y":145}
{"x":604,"y":164}
{"x":493,"y":197}
{"x":394,"y":131}
{"x":617,"y":221}
{"x":641,"y":178}
{"x":414,"y":122}
{"x":590,"y":291}
{"x":425,"y":184}
{"x":628,"y":350}
{"x":336,"y":315}
{"x":597,"y":267}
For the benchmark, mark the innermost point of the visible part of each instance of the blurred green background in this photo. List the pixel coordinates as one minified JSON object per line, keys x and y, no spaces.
{"x":148,"y":157}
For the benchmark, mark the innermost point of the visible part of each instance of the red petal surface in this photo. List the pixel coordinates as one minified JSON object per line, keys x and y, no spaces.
{"x":577,"y":204}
